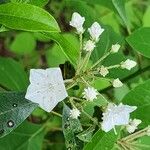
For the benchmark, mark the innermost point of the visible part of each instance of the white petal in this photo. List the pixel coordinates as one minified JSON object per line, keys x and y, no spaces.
{"x":37,"y":76}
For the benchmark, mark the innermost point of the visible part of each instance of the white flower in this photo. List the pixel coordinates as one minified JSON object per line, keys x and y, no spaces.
{"x":95,"y":31}
{"x":75,"y":113}
{"x":77,"y":22}
{"x":103,"y":71}
{"x":117,"y":83}
{"x":115,"y":48}
{"x":46,"y":88}
{"x":128,"y":64}
{"x":116,"y":115}
{"x":89,"y":46}
{"x":133,"y":124}
{"x":90,"y":93}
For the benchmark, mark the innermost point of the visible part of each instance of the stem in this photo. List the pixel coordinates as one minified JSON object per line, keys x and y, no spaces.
{"x":101,"y":59}
{"x":84,"y":63}
{"x":114,"y":66}
{"x":57,"y":114}
{"x":135,"y":135}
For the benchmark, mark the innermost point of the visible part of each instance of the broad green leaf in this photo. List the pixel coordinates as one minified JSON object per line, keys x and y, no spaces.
{"x":14,"y":109}
{"x":70,"y":128}
{"x":139,"y":41}
{"x":102,"y":141}
{"x":140,"y":97}
{"x":12,"y":75}
{"x":144,"y":143}
{"x":55,"y":55}
{"x":70,"y":50}
{"x":39,"y":3}
{"x":28,"y":136}
{"x":146,"y":21}
{"x":120,"y":7}
{"x":27,"y":17}
{"x":24,"y":43}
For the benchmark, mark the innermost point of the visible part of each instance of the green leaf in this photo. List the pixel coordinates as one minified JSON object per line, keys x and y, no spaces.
{"x":70,"y":128}
{"x":55,"y":56}
{"x":70,"y":50}
{"x":12,"y":75}
{"x":24,"y":43}
{"x":144,"y":143}
{"x":28,"y":136}
{"x":120,"y":7}
{"x":14,"y":109}
{"x":140,"y":97}
{"x":146,"y":16}
{"x":27,"y":17}
{"x":102,"y":141}
{"x":39,"y":3}
{"x":139,"y":41}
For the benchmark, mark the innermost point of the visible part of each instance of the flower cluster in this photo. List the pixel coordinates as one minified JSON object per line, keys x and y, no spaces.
{"x":47,"y":87}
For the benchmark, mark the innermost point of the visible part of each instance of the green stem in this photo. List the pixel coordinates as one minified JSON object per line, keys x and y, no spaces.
{"x":57,"y":114}
{"x":101,"y":59}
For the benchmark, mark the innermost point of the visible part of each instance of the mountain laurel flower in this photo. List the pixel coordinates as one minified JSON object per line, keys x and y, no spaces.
{"x":133,"y":125}
{"x":116,"y":115}
{"x":77,"y":22}
{"x":90,"y":93}
{"x":115,"y":48}
{"x":75,"y":113}
{"x":117,"y":83}
{"x":128,"y":64}
{"x":46,"y":88}
{"x":103,"y":71}
{"x":95,"y":31}
{"x":89,"y":46}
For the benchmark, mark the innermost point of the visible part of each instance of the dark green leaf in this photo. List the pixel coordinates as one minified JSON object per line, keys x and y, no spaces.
{"x":27,"y":17}
{"x":12,"y":75}
{"x":14,"y":109}
{"x":70,"y":128}
{"x":102,"y":141}
{"x":139,"y":41}
{"x":26,"y":137}
{"x":120,"y":7}
{"x":140,"y":97}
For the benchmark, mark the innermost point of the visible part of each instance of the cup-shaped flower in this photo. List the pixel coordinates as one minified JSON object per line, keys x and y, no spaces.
{"x":116,"y":115}
{"x":89,"y":46}
{"x":133,"y":125}
{"x":128,"y":64}
{"x":75,"y":113}
{"x":117,"y":83}
{"x":90,"y":93}
{"x":77,"y":22}
{"x":95,"y":31}
{"x":115,"y":48}
{"x":46,"y":88}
